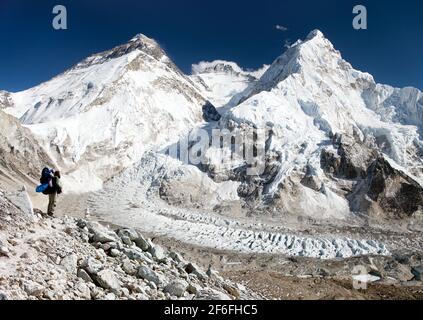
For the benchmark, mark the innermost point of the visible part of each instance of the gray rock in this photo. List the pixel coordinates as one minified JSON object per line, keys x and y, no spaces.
{"x":107,"y":279}
{"x":176,"y":257}
{"x":70,"y":263}
{"x":128,"y":267}
{"x":418,"y":272}
{"x":101,"y":234}
{"x":126,"y":240}
{"x":33,"y":289}
{"x":147,"y":274}
{"x":193,"y":288}
{"x":91,"y":265}
{"x":115,"y":253}
{"x":137,"y":254}
{"x":4,"y":251}
{"x":83,"y":291}
{"x":3,"y":296}
{"x":142,"y":243}
{"x":176,"y":288}
{"x":84,"y":275}
{"x":211,"y":294}
{"x":192,"y":268}
{"x":129,"y":233}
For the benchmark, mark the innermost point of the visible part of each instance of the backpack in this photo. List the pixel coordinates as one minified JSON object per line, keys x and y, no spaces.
{"x":46,"y":181}
{"x":42,"y":188}
{"x":46,"y":176}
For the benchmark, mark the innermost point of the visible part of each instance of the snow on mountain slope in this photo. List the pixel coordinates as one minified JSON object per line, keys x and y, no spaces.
{"x":104,"y":113}
{"x":328,"y":124}
{"x":135,"y":193}
{"x":220,"y":80}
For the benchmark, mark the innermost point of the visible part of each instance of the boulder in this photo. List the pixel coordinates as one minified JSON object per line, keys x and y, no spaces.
{"x":211,"y":294}
{"x":129,"y":233}
{"x":109,"y":297}
{"x":192,"y":268}
{"x":83,"y":291}
{"x":101,"y":234}
{"x":4,"y":251}
{"x":176,"y":257}
{"x":142,"y":243}
{"x":418,"y":272}
{"x":107,"y":279}
{"x":126,"y":240}
{"x":84,"y":275}
{"x":148,"y":274}
{"x":70,"y":263}
{"x":115,"y":253}
{"x":176,"y":288}
{"x":91,"y":265}
{"x":193,"y":288}
{"x":128,"y":267}
{"x":158,"y":253}
{"x":135,"y":253}
{"x":33,"y":289}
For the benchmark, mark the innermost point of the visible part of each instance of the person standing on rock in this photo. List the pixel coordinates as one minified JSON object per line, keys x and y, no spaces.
{"x":53,"y":191}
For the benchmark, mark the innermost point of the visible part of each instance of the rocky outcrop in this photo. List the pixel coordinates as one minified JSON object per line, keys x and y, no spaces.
{"x":55,"y":259}
{"x":21,"y":155}
{"x":350,"y":160}
{"x":210,"y":113}
{"x":5,"y":100}
{"x":388,"y":192}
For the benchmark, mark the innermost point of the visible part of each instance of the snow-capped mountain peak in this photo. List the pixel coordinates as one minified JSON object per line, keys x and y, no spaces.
{"x":103,"y":114}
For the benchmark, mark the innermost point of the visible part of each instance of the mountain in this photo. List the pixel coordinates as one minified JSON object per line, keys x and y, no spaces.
{"x":5,"y":99}
{"x":221,"y":80}
{"x":21,"y":156}
{"x":330,"y":127}
{"x":338,"y":144}
{"x":104,"y":113}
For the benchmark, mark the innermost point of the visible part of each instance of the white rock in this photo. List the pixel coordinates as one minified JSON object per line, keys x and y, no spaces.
{"x":107,"y":279}
{"x":70,"y":263}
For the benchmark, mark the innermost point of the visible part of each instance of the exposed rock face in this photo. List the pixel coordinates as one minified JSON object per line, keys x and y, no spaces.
{"x":210,"y":113}
{"x":389,"y":192}
{"x":5,"y":100}
{"x":351,"y":159}
{"x":21,"y":156}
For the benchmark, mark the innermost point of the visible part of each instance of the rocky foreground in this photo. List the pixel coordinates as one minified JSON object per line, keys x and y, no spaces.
{"x":66,"y":259}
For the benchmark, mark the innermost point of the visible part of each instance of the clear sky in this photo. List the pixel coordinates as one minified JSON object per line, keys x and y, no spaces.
{"x":193,"y":30}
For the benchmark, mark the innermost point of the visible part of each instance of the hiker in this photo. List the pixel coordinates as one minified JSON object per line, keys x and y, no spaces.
{"x":53,"y":191}
{"x":51,"y":186}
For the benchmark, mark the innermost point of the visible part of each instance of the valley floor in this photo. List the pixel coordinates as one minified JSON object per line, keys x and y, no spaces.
{"x":278,"y":276}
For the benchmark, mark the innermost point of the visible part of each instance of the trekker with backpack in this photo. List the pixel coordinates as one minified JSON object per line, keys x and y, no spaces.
{"x":53,"y":192}
{"x":51,"y":186}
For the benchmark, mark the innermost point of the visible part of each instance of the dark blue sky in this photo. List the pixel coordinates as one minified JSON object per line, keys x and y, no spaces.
{"x":193,"y":30}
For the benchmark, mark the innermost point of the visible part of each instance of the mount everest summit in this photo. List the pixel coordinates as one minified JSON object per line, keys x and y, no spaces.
{"x":339,"y":146}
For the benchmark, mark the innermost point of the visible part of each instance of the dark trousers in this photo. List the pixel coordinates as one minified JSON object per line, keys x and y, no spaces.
{"x":51,"y":203}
